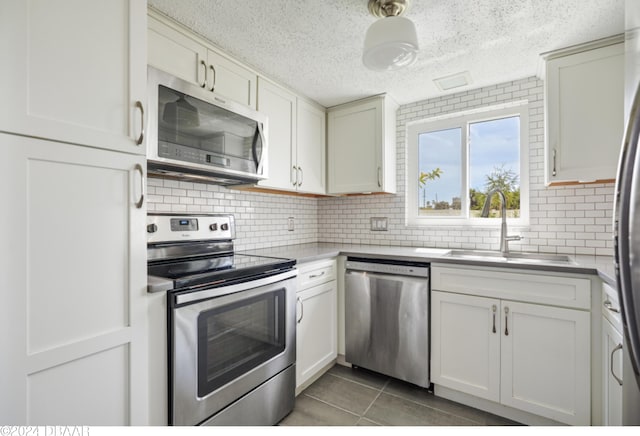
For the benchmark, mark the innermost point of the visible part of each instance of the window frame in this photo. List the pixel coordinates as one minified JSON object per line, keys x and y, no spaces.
{"x":463,"y":120}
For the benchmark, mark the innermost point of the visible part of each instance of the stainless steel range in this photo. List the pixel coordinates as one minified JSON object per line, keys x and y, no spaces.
{"x":231,"y":323}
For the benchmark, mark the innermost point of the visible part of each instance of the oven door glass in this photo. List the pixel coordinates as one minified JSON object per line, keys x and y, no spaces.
{"x":237,"y":337}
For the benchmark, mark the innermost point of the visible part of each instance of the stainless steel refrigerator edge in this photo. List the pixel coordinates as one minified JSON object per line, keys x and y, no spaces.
{"x":627,"y":220}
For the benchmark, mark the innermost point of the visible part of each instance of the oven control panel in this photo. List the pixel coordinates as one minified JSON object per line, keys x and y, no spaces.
{"x":172,"y":228}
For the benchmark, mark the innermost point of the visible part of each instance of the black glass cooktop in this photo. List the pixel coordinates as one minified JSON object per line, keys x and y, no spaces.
{"x":216,"y":269}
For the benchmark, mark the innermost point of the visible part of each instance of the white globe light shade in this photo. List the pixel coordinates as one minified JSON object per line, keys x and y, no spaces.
{"x":391,"y":43}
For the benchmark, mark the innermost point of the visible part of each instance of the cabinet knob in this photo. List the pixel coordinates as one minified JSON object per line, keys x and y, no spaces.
{"x":152,"y":228}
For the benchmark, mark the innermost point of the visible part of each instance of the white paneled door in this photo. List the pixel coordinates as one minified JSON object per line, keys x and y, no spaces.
{"x":73,"y":285}
{"x":75,"y":71}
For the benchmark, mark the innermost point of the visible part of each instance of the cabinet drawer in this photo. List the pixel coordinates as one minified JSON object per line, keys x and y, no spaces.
{"x":518,"y":286}
{"x":315,"y":273}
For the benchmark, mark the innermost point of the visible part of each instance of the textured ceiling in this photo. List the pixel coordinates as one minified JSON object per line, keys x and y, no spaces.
{"x":315,"y":46}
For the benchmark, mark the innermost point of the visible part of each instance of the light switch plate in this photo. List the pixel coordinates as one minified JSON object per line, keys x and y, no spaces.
{"x":379,"y":224}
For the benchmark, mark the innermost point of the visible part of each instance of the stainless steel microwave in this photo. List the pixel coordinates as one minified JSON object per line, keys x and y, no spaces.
{"x":198,"y":135}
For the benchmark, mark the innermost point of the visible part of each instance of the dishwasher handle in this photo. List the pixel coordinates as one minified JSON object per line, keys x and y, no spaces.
{"x":389,"y":267}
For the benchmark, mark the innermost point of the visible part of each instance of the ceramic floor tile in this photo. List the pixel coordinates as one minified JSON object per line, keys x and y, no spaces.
{"x":369,"y":378}
{"x":364,"y":422}
{"x":346,"y":397}
{"x":393,"y":410}
{"x":309,"y":411}
{"x":422,"y":396}
{"x":342,"y":393}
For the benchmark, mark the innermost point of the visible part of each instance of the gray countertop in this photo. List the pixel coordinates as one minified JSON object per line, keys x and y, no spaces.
{"x":583,"y":264}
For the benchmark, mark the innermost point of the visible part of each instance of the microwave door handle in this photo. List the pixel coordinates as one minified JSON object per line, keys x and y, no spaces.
{"x":259,"y":160}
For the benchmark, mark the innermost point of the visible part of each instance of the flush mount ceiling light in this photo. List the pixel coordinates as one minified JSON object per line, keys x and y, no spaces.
{"x":391,"y":42}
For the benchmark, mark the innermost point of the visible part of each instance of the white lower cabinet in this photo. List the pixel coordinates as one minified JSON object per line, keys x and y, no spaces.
{"x":316,"y":334}
{"x":612,"y":374}
{"x":612,"y":351}
{"x":531,"y":357}
{"x":465,"y":349}
{"x":545,"y":361}
{"x":73,"y":285}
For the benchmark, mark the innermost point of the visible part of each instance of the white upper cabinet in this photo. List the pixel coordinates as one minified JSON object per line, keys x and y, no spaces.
{"x":296,"y":133}
{"x":311,"y":147}
{"x":279,"y":105}
{"x":75,"y":71}
{"x":361,"y":146}
{"x":584,"y":97}
{"x":182,"y":54}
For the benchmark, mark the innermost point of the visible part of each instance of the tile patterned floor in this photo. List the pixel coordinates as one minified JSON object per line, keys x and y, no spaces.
{"x":345,"y":397}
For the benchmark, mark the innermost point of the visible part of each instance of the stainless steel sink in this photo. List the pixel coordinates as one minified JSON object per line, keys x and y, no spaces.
{"x":515,"y":257}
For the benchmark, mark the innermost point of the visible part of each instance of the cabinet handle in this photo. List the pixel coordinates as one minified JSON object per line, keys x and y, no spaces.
{"x":204,"y":82}
{"x":141,"y":137}
{"x":494,"y":309}
{"x":294,"y":170}
{"x":609,"y":305}
{"x":380,"y":177}
{"x":213,"y":81}
{"x":301,"y":176}
{"x":138,"y":167}
{"x":618,"y":379}
{"x":315,"y":276}
{"x":506,"y":321}
{"x":553,"y":172}
{"x":301,"y":309}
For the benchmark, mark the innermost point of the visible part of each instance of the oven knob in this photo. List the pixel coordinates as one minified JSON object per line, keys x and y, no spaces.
{"x":224,"y":227}
{"x":152,"y":228}
{"x":213,"y":227}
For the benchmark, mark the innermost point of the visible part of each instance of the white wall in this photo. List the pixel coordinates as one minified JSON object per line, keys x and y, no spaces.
{"x":572,"y":219}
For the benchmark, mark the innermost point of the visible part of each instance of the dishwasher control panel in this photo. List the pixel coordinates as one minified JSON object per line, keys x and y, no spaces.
{"x":388,"y":266}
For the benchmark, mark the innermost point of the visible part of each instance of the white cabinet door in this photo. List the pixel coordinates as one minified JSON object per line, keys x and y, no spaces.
{"x":280,"y":107}
{"x":231,"y":80}
{"x":317,"y":336}
{"x":177,"y":51}
{"x":546,"y":361}
{"x":311,"y":147}
{"x":296,"y":133}
{"x":177,"y":54}
{"x":73,"y":285}
{"x":585,"y":102}
{"x":75,"y":71}
{"x":612,"y":374}
{"x":465,"y":344}
{"x":361,"y":146}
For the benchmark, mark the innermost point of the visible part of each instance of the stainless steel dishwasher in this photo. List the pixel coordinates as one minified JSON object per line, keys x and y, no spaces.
{"x":387,"y":317}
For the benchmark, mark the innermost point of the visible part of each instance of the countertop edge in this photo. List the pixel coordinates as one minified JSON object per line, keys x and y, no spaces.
{"x":602,"y":266}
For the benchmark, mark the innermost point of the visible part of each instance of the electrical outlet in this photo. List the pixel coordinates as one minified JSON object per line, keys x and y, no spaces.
{"x":291,"y":224}
{"x":379,"y":224}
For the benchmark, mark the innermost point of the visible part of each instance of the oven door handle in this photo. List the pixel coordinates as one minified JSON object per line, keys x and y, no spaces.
{"x":225,"y":290}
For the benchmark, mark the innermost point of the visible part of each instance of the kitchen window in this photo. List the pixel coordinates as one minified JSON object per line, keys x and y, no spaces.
{"x":454,"y":161}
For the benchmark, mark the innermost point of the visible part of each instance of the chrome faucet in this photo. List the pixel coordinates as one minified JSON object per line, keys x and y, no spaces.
{"x":504,"y":238}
